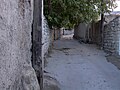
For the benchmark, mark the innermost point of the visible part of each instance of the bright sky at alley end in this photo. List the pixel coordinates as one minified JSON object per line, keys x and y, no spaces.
{"x":118,"y":4}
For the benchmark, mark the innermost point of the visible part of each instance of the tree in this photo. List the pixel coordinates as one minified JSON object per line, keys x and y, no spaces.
{"x":67,"y":13}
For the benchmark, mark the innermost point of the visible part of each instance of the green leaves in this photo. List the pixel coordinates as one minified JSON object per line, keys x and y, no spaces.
{"x":67,"y":13}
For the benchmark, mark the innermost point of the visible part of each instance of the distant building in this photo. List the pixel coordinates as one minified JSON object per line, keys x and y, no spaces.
{"x":110,"y":16}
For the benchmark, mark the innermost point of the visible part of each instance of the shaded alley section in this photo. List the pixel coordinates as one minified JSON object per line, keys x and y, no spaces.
{"x":77,"y":66}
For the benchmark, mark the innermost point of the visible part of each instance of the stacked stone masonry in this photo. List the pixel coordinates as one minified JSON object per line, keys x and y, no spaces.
{"x":46,"y":38}
{"x":112,"y":36}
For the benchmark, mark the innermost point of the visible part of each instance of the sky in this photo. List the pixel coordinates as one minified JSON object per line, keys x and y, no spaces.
{"x":118,"y":8}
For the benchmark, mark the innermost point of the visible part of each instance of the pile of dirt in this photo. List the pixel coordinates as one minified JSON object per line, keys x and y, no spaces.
{"x":114,"y":60}
{"x":50,"y":83}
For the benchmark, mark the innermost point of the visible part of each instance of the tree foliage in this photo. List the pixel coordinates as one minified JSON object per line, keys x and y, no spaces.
{"x":67,"y":13}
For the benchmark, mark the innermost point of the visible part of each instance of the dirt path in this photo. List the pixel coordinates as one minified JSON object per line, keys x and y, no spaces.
{"x":81,"y":67}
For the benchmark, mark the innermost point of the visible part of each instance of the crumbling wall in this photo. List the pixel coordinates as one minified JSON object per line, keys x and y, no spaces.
{"x":112,"y":36}
{"x":16,"y":72}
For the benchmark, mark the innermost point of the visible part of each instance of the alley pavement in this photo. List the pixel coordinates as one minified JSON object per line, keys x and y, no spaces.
{"x":81,"y":67}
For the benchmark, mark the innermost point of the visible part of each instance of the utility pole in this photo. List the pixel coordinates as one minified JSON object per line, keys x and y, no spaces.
{"x":49,"y":6}
{"x":37,"y":59}
{"x":102,"y":25}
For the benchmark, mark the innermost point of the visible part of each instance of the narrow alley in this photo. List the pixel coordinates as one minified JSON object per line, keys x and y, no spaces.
{"x":38,"y":52}
{"x":78,"y":66}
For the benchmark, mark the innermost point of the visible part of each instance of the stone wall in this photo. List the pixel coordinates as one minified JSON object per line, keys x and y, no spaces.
{"x":109,"y":18}
{"x":46,"y":38}
{"x":67,"y":32}
{"x":94,"y":33}
{"x":57,"y":33}
{"x":112,"y":36}
{"x":16,"y":72}
{"x":80,"y":31}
